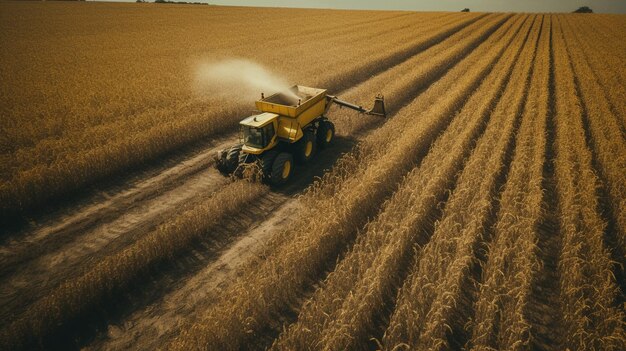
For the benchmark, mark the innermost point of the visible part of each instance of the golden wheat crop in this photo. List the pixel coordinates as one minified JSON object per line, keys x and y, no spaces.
{"x":588,"y":286}
{"x":513,"y":266}
{"x":438,"y":295}
{"x":488,"y":211}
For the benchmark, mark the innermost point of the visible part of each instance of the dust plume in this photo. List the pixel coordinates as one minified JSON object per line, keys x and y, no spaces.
{"x":241,"y":79}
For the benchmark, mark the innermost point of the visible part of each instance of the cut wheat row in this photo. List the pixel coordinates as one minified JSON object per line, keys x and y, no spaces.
{"x":436,"y":300}
{"x":80,"y":294}
{"x":302,"y":251}
{"x":342,"y":314}
{"x":588,"y":287}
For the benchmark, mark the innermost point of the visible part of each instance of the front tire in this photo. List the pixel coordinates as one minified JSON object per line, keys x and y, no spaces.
{"x":282,"y":168}
{"x":228,"y":160}
{"x":267,"y":161}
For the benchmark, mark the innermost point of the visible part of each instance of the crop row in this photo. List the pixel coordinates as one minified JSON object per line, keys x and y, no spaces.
{"x":501,"y":318}
{"x":608,"y":142}
{"x":587,"y":284}
{"x":343,"y":314}
{"x":436,"y":300}
{"x":418,"y":72}
{"x":302,"y":251}
{"x":607,"y":68}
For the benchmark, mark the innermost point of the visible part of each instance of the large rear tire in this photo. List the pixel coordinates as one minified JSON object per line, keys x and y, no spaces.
{"x":325,"y":134}
{"x":304,"y":149}
{"x":282,"y":168}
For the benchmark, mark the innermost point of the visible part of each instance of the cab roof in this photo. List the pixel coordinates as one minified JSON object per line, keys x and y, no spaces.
{"x":259,"y":120}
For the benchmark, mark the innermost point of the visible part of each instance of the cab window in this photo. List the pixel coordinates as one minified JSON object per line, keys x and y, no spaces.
{"x":257,"y":137}
{"x":269,"y":133}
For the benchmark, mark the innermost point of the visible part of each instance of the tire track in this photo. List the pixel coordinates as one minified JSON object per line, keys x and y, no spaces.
{"x":48,"y":270}
{"x":64,"y":225}
{"x":176,"y":295}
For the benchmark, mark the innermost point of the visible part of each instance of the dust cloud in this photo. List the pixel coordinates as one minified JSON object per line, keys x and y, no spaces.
{"x":241,"y":79}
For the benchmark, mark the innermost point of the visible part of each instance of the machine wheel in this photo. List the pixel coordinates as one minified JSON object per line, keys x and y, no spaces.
{"x":267,"y":161}
{"x":325,"y":134}
{"x":282,"y":168}
{"x":228,"y":159}
{"x":304,"y":149}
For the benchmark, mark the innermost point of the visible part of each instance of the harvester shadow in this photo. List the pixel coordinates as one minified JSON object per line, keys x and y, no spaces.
{"x":304,"y":175}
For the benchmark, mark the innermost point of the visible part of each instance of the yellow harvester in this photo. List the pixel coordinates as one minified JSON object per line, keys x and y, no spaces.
{"x":290,"y":127}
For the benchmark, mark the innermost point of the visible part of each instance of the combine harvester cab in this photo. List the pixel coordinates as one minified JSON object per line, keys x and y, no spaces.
{"x":289,"y":129}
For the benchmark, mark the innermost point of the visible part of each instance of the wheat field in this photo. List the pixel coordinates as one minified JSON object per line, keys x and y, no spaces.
{"x":486,"y":212}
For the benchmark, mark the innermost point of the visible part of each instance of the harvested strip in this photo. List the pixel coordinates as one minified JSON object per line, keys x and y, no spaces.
{"x":114,"y":272}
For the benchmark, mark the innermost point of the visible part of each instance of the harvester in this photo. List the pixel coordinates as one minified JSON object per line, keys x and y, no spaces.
{"x":290,"y":127}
